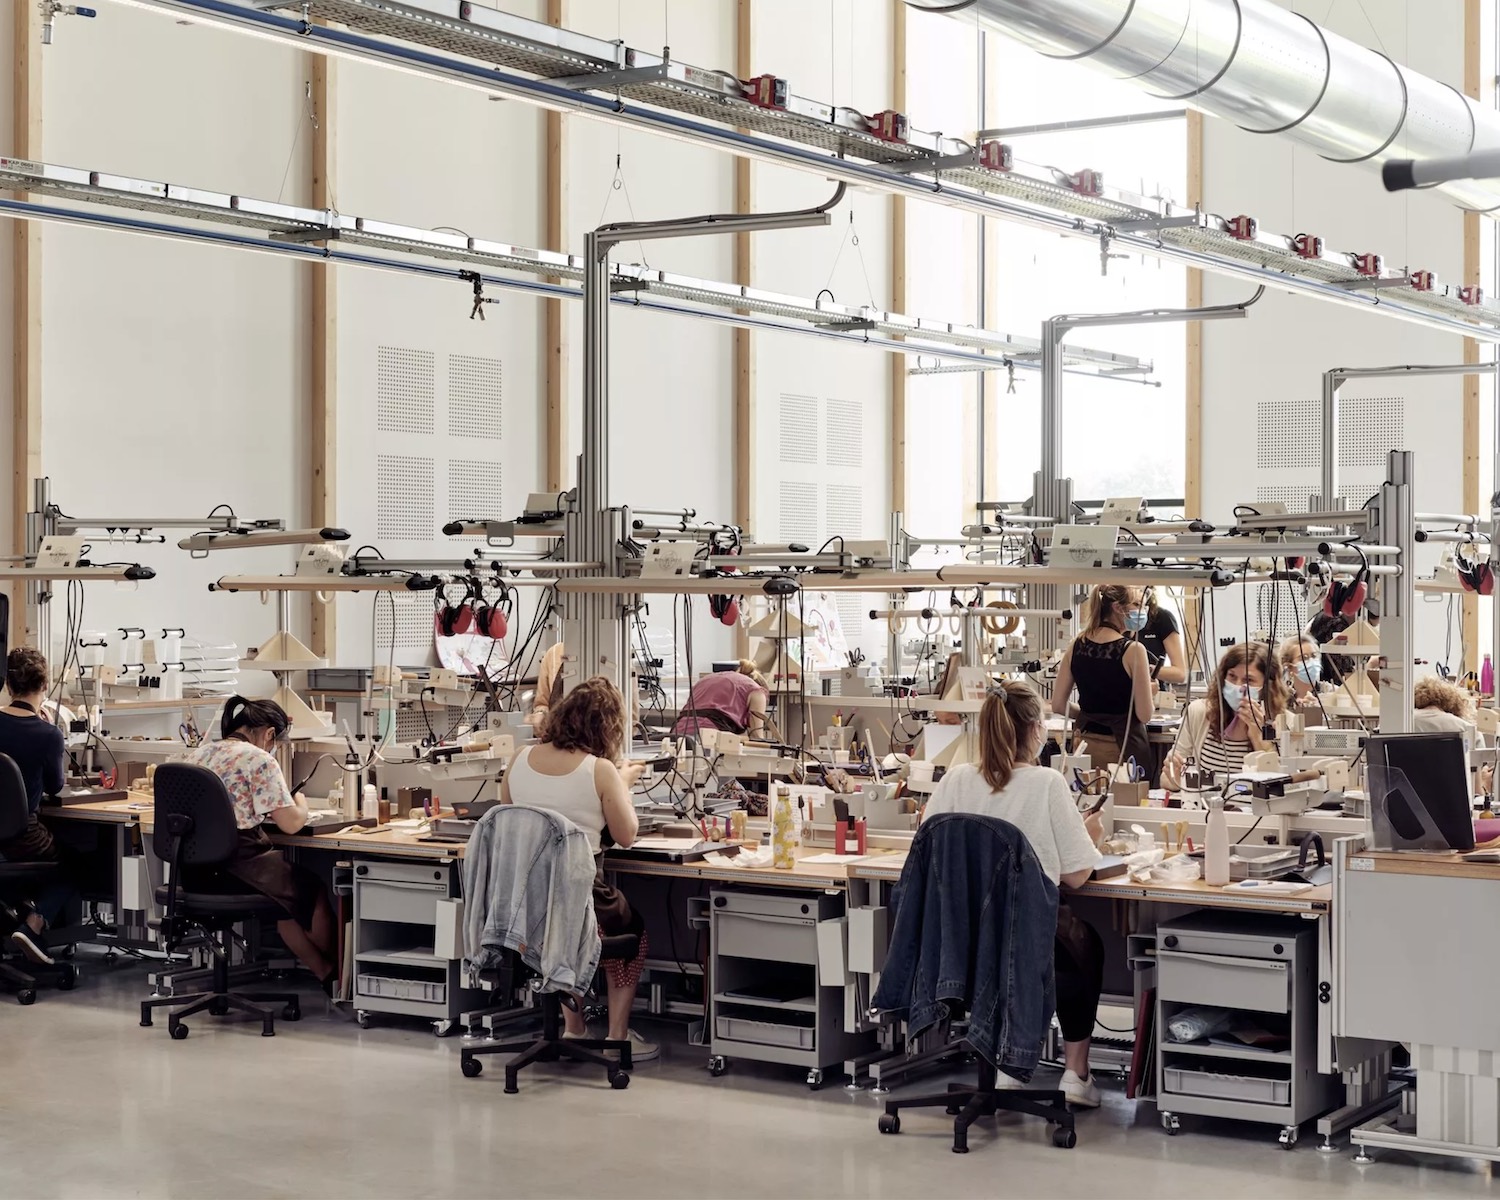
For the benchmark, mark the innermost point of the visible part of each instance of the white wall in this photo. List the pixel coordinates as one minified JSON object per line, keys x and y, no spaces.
{"x":1281,"y":351}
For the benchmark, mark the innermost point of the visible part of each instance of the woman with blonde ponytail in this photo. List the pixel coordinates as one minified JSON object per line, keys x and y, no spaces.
{"x":1008,"y":784}
{"x":734,"y":701}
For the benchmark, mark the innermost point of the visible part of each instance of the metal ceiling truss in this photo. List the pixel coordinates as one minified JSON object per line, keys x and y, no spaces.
{"x":763,"y":119}
{"x":289,"y":228}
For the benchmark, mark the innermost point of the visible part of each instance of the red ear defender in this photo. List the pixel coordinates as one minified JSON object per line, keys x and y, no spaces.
{"x":1352,"y":596}
{"x":1476,"y":576}
{"x":492,"y":623}
{"x":731,"y":613}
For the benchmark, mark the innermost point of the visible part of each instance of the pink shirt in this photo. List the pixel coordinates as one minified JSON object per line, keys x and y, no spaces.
{"x":726,"y":694}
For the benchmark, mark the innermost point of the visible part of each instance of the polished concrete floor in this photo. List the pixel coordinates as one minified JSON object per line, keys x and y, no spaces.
{"x":95,"y":1106}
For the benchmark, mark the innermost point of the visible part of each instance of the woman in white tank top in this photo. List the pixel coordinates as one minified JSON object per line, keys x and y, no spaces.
{"x":572,"y":772}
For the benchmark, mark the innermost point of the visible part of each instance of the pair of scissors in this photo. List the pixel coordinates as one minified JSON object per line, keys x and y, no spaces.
{"x":189,"y":735}
{"x":1133,"y":771}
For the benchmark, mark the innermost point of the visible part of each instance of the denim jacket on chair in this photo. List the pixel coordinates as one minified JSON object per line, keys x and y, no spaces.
{"x":975,"y":923}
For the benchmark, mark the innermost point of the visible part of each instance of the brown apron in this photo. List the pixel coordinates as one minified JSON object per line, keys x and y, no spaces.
{"x":611,"y":909}
{"x":260,"y":866}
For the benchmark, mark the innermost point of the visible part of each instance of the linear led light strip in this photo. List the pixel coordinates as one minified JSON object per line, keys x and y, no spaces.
{"x":957,"y":180}
{"x":289,"y":222}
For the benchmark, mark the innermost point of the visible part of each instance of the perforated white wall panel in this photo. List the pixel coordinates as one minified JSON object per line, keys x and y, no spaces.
{"x":404,"y":488}
{"x":405,"y":389}
{"x":474,"y":490}
{"x":475,"y":396}
{"x":799,"y":428}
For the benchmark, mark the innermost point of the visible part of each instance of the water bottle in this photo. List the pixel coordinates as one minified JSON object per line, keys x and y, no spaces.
{"x":783,"y":830}
{"x":1487,"y":677}
{"x":1216,"y":847}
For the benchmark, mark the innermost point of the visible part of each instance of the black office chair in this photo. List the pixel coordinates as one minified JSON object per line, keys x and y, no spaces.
{"x":552,"y":1046}
{"x":195,"y":833}
{"x":19,"y":880}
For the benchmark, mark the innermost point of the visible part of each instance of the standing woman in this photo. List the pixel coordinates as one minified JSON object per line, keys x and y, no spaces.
{"x":1113,"y":677}
{"x":1156,"y":629}
{"x":1301,"y":661}
{"x":242,"y":758}
{"x":1235,"y":718}
{"x":734,"y":701}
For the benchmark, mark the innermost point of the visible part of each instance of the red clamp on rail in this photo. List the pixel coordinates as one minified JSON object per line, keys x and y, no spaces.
{"x":996,"y":156}
{"x":889,"y":126}
{"x":1422,"y":281}
{"x":1471,"y":295}
{"x":767,"y":91}
{"x":1087,"y":183}
{"x":1242,"y":229}
{"x":1309,"y":245}
{"x":1370,"y":265}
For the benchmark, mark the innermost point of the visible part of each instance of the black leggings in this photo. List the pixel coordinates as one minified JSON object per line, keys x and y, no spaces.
{"x":1078,"y":963}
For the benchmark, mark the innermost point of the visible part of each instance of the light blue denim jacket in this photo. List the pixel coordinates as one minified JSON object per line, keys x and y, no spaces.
{"x":529,"y":887}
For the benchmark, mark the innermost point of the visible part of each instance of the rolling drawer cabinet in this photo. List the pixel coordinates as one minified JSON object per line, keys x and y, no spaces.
{"x":778,"y":971}
{"x":1255,"y":967}
{"x":408,"y":941}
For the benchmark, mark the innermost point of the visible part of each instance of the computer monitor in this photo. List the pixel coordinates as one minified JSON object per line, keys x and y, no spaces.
{"x":1419,"y":791}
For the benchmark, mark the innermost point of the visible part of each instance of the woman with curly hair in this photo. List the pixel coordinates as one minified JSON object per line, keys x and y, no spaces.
{"x":577,"y":770}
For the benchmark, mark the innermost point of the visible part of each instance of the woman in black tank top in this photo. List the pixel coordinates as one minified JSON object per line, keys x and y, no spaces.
{"x":1112,"y":675}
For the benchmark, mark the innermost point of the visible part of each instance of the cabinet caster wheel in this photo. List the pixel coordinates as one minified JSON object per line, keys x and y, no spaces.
{"x":620,"y":1080}
{"x":815,"y":1078}
{"x":442,"y":1028}
{"x":1288,"y":1137}
{"x":178,"y":1032}
{"x":1064,"y":1139}
{"x":67,"y":978}
{"x":291,"y":1013}
{"x":889,"y":1123}
{"x":717,"y":1066}
{"x":362,"y":1020}
{"x":26,"y":996}
{"x":1170,"y":1123}
{"x":471,"y":1067}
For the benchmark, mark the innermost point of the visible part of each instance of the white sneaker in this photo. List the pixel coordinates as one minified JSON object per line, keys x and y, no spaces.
{"x":1009,"y":1083}
{"x":1080,"y":1093}
{"x":641,"y":1050}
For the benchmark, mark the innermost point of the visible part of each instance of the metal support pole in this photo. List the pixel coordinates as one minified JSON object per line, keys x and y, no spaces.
{"x":1328,"y":494}
{"x":1053,"y":332}
{"x":1398,"y":594}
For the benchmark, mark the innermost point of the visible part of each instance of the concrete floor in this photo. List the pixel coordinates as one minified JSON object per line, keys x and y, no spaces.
{"x":95,"y":1106}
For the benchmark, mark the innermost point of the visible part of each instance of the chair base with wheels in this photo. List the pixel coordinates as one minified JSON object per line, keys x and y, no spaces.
{"x":967,"y":1104}
{"x":217,"y":914}
{"x":552,"y":1046}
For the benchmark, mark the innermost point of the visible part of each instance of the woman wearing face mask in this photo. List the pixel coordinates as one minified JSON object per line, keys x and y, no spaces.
{"x":1113,"y":678}
{"x":1008,"y":785}
{"x":1301,"y":661}
{"x":1156,"y":629}
{"x":1234,"y":720}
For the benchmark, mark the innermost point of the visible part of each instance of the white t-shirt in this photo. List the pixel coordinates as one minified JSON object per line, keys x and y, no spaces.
{"x":1037,"y":801}
{"x":1435,"y":720}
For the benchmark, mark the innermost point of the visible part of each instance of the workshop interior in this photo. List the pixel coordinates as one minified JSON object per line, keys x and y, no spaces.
{"x":910,"y":578}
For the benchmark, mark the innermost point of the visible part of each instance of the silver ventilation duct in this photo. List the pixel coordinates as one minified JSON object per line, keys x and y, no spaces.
{"x":1263,"y":67}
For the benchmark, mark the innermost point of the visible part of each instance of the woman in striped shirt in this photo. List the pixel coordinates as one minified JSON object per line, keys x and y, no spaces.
{"x":1234,"y":720}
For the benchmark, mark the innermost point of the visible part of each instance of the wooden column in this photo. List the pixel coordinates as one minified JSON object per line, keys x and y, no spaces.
{"x":26,"y":305}
{"x":1471,"y":431}
{"x":555,"y":333}
{"x":324,"y":411}
{"x":744,"y":345}
{"x":899,"y":377}
{"x":1192,"y":472}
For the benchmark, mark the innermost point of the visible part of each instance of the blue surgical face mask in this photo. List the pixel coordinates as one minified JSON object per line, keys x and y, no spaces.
{"x":1135,"y":620}
{"x":1310,"y":671}
{"x":1234,"y":693}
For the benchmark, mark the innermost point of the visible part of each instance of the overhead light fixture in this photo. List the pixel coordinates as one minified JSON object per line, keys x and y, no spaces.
{"x":334,"y":583}
{"x":120,"y":573}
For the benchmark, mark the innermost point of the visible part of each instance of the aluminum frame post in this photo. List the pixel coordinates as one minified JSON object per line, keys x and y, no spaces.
{"x":1397,"y":526}
{"x":1328,"y":494}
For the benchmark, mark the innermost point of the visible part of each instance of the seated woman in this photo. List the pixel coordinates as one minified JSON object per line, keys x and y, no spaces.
{"x":1301,"y":662}
{"x":1009,"y":785}
{"x":1236,"y":718}
{"x":242,"y":758}
{"x":734,"y":701}
{"x":1443,"y":707}
{"x":38,"y":748}
{"x":573,"y":772}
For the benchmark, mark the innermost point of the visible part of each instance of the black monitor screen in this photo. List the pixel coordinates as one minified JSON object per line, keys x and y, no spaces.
{"x":1437,"y":770}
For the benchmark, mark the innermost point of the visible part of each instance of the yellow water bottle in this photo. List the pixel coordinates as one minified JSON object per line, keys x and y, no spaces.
{"x":783,"y":830}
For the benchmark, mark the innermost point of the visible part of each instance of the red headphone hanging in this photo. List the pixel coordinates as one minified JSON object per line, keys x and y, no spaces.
{"x":493,"y":620}
{"x":725,"y":608}
{"x":1474,"y":576}
{"x":451,"y":620}
{"x":1346,"y":599}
